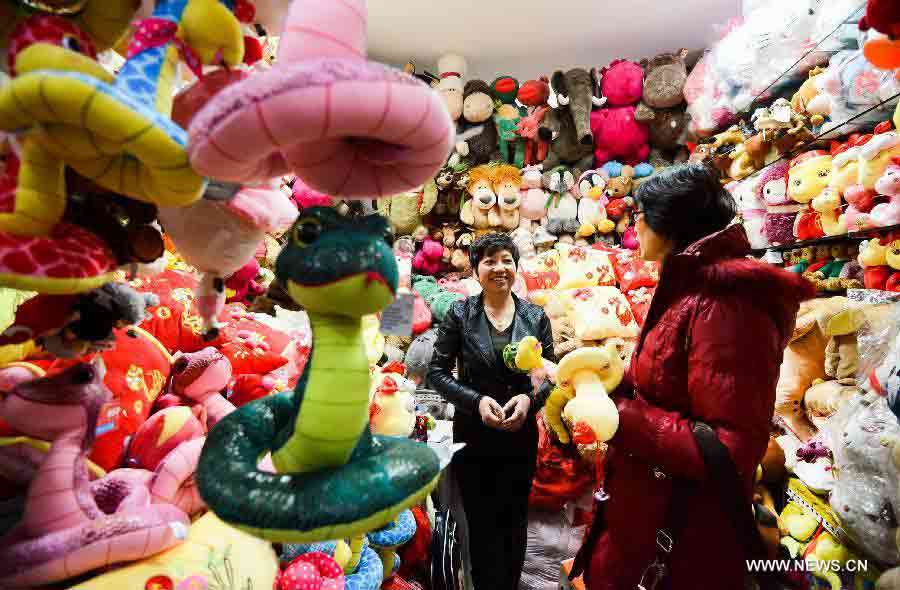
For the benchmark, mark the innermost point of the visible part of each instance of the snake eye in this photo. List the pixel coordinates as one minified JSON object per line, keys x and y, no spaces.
{"x":72,"y":44}
{"x":307,"y":231}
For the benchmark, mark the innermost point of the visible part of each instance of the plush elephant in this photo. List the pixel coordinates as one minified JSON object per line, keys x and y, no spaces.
{"x":567,"y":125}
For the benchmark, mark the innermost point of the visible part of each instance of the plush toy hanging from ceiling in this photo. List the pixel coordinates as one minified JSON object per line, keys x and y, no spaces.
{"x":116,"y":134}
{"x":883,"y":48}
{"x":219,"y":237}
{"x":305,"y":114}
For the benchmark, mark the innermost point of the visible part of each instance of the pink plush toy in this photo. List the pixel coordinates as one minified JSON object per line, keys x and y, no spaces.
{"x":305,"y":197}
{"x":69,"y":526}
{"x":243,"y":283}
{"x":887,"y":214}
{"x":617,"y":136}
{"x":428,"y":259}
{"x":347,"y":126}
{"x":860,"y":201}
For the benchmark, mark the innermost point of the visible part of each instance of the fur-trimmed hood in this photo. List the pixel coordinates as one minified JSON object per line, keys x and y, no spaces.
{"x":719,"y":265}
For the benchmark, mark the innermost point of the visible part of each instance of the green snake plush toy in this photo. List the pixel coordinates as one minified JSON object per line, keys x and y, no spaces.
{"x":335,"y":479}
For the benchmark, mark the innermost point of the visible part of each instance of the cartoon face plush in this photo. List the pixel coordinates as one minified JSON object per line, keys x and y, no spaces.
{"x":482,"y":192}
{"x":892,"y":255}
{"x":809,"y":175}
{"x":478,"y":105}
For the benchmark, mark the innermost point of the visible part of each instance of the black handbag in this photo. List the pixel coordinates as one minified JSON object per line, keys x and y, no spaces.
{"x":446,"y":554}
{"x":745,"y":517}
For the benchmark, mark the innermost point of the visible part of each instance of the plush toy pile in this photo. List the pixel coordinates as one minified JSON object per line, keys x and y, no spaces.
{"x":189,"y":197}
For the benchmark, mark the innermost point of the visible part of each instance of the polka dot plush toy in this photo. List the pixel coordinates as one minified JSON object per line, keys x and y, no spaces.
{"x":311,"y":571}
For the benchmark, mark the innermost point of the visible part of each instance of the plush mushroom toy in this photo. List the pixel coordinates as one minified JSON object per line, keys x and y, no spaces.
{"x":580,"y":403}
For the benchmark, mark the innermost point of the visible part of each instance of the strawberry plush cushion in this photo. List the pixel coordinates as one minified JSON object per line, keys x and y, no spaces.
{"x":640,"y":299}
{"x":598,"y":313}
{"x":632,"y":272}
{"x":584,"y":267}
{"x":136,"y":372}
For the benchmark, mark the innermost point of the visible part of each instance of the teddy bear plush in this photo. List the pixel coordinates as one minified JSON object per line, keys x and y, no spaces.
{"x":567,"y":125}
{"x":618,"y":191}
{"x":562,"y":214}
{"x":662,"y":107}
{"x":781,"y":211}
{"x":617,"y":134}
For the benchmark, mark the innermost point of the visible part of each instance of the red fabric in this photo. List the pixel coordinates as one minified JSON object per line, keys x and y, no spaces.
{"x":809,"y":225}
{"x":561,"y":474}
{"x":175,"y":321}
{"x":632,"y":272}
{"x":251,"y":346}
{"x":711,"y":351}
{"x":639,"y":300}
{"x":876,"y":277}
{"x":415,"y":556}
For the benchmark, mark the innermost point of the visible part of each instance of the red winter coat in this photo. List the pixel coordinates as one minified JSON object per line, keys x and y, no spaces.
{"x":710,"y":350}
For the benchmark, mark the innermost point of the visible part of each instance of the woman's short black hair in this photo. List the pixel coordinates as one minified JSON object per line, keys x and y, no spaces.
{"x":685,"y":203}
{"x":490,"y":244}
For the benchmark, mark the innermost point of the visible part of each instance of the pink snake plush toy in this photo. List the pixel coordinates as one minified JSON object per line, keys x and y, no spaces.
{"x":347,"y":126}
{"x":71,"y":526}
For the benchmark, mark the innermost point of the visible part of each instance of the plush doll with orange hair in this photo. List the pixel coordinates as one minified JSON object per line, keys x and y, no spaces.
{"x":507,"y":183}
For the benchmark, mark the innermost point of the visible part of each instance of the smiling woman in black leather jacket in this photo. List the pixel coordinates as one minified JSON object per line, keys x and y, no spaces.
{"x":495,"y":411}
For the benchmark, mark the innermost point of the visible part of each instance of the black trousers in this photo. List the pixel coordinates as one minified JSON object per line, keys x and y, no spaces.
{"x":495,"y":494}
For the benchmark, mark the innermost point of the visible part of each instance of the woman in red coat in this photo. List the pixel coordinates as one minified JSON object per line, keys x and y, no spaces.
{"x":710,"y":351}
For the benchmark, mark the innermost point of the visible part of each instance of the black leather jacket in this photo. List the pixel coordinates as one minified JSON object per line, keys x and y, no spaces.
{"x":464,"y":340}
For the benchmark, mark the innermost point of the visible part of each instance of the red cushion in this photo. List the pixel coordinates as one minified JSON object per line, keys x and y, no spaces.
{"x":639,"y":300}
{"x":561,"y":474}
{"x":632,"y":272}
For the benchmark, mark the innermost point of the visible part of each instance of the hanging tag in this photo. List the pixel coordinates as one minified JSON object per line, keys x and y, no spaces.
{"x":397,"y":318}
{"x":773,"y":257}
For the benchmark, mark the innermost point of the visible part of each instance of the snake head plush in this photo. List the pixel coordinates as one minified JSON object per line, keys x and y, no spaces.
{"x":338,"y":266}
{"x":212,"y":30}
{"x":48,"y":42}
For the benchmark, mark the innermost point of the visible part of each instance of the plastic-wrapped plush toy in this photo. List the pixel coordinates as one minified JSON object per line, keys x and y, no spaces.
{"x":452,"y":69}
{"x":861,"y":495}
{"x":406,"y":210}
{"x":886,"y":214}
{"x":579,"y":408}
{"x":851,"y":94}
{"x":617,"y":134}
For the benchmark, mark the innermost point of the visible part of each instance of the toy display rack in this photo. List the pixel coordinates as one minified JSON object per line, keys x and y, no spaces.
{"x":858,"y":235}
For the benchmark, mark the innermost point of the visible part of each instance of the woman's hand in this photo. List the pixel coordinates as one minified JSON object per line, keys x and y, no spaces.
{"x":491,"y":412}
{"x":517,"y":408}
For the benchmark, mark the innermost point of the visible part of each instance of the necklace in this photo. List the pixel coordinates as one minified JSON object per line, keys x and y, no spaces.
{"x":502,"y":321}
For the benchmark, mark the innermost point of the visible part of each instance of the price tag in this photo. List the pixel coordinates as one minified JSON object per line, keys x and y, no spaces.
{"x":397,"y":318}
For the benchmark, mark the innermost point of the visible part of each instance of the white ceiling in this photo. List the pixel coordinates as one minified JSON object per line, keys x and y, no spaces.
{"x":529,"y":38}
